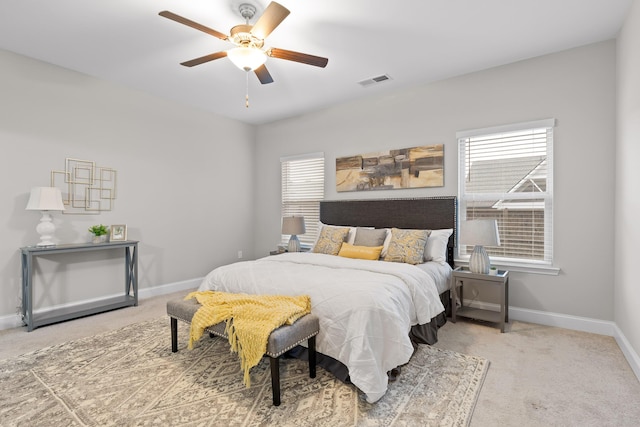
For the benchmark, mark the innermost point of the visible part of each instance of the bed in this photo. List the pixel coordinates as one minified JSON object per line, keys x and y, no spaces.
{"x":372,"y":313}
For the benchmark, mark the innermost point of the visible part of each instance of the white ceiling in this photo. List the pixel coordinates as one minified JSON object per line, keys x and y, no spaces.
{"x":413,"y":41}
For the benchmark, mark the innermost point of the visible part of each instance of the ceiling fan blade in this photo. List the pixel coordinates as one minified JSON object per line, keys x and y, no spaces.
{"x":204,"y":59}
{"x":263,"y":75}
{"x":192,"y":24}
{"x":273,"y":15}
{"x":304,"y":58}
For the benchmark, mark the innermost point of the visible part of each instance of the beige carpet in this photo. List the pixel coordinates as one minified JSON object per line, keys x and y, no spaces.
{"x":540,"y":376}
{"x":129,"y":377}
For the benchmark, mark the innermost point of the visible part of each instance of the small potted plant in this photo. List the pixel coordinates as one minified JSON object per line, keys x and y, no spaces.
{"x":493,"y":271}
{"x":98,"y":232}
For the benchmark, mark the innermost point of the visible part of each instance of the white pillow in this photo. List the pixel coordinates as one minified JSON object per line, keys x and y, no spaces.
{"x":385,"y":245}
{"x":436,"y":247}
{"x":352,"y":235}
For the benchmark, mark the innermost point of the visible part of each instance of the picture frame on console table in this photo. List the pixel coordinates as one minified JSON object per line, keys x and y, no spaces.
{"x":118,"y":233}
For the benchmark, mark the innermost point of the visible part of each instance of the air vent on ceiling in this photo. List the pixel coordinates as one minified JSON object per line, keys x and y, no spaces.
{"x":374,"y":80}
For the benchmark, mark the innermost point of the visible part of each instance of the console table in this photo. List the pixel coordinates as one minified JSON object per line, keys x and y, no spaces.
{"x":130,"y":297}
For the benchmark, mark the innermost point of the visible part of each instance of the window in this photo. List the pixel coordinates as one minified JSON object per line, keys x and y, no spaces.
{"x":302,"y":191}
{"x":506,"y":174}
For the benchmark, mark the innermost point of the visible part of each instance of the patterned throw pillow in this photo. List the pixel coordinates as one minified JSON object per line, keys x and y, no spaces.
{"x":407,"y":246}
{"x":330,"y":240}
{"x":360,"y":252}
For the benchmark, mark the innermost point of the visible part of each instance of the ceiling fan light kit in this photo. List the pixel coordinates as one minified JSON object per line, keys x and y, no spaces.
{"x":247,"y":58}
{"x":249,"y":55}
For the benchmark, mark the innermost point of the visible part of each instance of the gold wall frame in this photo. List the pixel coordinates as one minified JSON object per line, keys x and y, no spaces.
{"x":86,"y":189}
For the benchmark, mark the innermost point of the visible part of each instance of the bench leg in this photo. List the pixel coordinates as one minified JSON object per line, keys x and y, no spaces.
{"x":311,"y":344}
{"x":174,"y":334}
{"x":275,"y":379}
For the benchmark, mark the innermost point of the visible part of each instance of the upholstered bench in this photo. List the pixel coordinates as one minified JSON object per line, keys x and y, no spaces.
{"x":281,"y":340}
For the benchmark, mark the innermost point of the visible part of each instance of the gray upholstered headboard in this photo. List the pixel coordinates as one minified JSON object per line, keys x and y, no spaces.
{"x":430,"y":213}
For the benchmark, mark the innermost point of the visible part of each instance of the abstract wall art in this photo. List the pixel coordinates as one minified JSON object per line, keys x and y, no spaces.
{"x":393,"y":169}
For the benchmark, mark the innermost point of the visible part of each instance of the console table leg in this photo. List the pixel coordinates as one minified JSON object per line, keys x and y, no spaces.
{"x":135,"y":275}
{"x":27,"y":290}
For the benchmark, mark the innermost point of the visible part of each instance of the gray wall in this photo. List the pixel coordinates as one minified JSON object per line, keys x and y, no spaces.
{"x":577,"y":87}
{"x":627,"y":289}
{"x":182,"y":197}
{"x":184,"y":181}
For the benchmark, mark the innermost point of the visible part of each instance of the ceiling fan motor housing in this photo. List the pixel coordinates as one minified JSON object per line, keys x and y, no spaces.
{"x":241,"y":36}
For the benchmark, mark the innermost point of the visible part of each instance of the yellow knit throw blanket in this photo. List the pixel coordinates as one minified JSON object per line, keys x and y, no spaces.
{"x":250,"y":320}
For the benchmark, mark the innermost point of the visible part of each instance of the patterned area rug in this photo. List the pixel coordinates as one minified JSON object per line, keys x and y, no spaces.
{"x":129,"y":377}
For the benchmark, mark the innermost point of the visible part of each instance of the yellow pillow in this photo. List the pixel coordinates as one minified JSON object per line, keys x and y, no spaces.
{"x":360,"y":252}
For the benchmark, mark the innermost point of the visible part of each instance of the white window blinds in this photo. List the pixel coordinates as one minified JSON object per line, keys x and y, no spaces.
{"x":506,"y":173}
{"x":302,"y":191}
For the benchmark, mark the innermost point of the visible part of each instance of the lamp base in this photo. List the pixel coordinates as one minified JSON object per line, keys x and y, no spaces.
{"x":294,"y":244}
{"x":46,"y":228}
{"x":479,"y":261}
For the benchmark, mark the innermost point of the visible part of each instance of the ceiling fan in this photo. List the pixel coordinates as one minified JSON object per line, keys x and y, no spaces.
{"x":249,"y":54}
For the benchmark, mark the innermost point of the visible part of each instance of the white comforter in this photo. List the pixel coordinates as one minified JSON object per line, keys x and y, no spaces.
{"x":366,"y":308}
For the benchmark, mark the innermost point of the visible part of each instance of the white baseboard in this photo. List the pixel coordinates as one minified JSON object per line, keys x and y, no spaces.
{"x":575,"y":323}
{"x":185,"y":285}
{"x":566,"y":321}
{"x":9,"y":322}
{"x":547,"y":318}
{"x":15,"y":321}
{"x":628,"y":351}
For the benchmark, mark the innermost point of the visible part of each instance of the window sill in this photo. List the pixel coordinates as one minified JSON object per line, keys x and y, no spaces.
{"x":521,"y":268}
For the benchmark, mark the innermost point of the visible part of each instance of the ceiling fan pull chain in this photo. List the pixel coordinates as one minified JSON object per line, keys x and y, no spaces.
{"x":247,"y":96}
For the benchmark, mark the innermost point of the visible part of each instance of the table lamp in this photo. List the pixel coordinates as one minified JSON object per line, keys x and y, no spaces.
{"x":293,"y":225}
{"x":45,"y":199}
{"x":480,"y":233}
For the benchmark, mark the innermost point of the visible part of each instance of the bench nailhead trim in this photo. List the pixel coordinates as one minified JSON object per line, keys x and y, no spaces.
{"x":267,"y":353}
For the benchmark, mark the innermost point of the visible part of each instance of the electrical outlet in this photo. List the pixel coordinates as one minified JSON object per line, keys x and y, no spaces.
{"x":239,"y":254}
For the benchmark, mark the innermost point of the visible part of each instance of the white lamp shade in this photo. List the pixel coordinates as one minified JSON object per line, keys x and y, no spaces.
{"x":293,"y":225}
{"x":45,"y":199}
{"x":480,"y":233}
{"x":247,"y":58}
{"x":483,"y":232}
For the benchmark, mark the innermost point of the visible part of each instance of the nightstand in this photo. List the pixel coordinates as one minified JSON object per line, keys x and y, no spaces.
{"x":501,"y":279}
{"x":284,"y":251}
